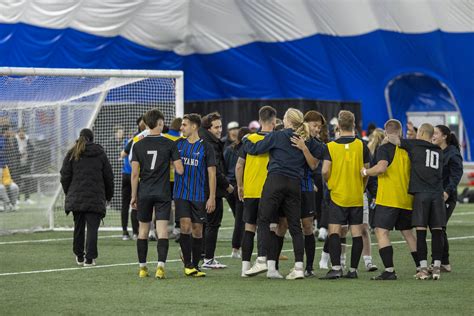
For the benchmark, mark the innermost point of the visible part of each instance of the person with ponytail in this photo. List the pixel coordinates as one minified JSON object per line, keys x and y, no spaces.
{"x":88,"y":183}
{"x":452,"y":174}
{"x":290,"y":149}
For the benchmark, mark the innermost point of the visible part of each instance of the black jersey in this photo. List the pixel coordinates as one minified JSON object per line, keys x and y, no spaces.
{"x":154,"y":154}
{"x":426,"y":173}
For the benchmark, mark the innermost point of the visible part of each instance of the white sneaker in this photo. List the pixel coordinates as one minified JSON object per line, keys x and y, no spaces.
{"x":79,"y":262}
{"x":257,"y":268}
{"x":212,"y":264}
{"x":126,"y":237}
{"x":91,"y":264}
{"x":274,"y":274}
{"x":343,"y":262}
{"x":323,"y":234}
{"x":370,"y":267}
{"x":30,"y":202}
{"x":152,"y":236}
{"x":295,"y":274}
{"x":324,"y":262}
{"x":236,"y":254}
{"x":135,"y":237}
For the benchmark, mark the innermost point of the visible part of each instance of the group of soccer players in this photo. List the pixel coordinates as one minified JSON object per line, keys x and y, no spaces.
{"x":288,"y":175}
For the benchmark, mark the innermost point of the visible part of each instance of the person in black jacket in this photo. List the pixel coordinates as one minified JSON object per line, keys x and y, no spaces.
{"x":452,"y":174}
{"x":210,"y":132}
{"x":231,"y":155}
{"x":88,"y":183}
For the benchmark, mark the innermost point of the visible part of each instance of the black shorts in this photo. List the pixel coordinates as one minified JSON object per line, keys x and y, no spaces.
{"x":429,"y":210}
{"x":147,"y":204}
{"x":196,"y":211}
{"x":391,"y":217}
{"x":250,"y":211}
{"x":308,"y":204}
{"x":281,"y":197}
{"x":345,"y":215}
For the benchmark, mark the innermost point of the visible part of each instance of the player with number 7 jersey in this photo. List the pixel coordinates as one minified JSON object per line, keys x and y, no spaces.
{"x":151,"y":183}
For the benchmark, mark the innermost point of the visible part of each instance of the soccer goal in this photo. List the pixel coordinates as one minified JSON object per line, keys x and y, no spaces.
{"x":41,"y":113}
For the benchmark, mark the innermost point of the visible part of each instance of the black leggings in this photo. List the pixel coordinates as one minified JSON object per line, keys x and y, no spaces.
{"x":237,"y":209}
{"x":92,"y":220}
{"x":126,"y":197}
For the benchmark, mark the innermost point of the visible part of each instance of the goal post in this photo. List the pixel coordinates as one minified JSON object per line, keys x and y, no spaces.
{"x":42,"y":111}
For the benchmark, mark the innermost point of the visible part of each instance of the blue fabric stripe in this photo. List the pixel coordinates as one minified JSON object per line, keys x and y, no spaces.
{"x":316,"y":67}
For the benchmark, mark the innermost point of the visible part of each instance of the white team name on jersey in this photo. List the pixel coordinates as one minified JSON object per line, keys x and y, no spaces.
{"x":190,"y":161}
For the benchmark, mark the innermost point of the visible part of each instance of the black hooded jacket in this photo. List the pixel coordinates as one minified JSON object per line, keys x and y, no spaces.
{"x":452,"y":171}
{"x":89,"y":182}
{"x":218,"y":146}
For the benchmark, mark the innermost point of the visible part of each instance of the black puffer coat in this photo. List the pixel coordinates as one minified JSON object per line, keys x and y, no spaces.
{"x":89,"y":182}
{"x":218,"y":146}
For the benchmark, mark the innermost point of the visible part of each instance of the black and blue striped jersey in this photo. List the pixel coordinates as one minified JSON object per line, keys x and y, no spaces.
{"x":196,"y":158}
{"x":307,"y":181}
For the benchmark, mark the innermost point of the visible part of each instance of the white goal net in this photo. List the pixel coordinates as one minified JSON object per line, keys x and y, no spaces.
{"x":41,"y":114}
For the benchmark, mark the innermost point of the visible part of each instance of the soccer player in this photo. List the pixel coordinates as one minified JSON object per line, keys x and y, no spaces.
{"x":127,"y":185}
{"x":393,"y":202}
{"x":308,"y":194}
{"x":282,"y":188}
{"x":151,"y":164}
{"x":452,"y":174}
{"x":251,"y":173}
{"x":343,"y":161}
{"x":210,"y":132}
{"x":143,"y":132}
{"x":426,"y":185}
{"x":174,"y":134}
{"x":192,"y":196}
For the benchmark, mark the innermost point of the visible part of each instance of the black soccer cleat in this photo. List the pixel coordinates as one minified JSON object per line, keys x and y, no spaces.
{"x":351,"y":275}
{"x":332,"y":275}
{"x":385,"y":276}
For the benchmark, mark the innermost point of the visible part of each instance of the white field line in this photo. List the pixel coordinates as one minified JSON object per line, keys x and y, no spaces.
{"x":173,"y":260}
{"x":48,"y":240}
{"x":116,"y":236}
{"x":14,"y":242}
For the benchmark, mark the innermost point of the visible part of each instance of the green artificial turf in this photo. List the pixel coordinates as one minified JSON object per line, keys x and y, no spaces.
{"x":111,"y":288}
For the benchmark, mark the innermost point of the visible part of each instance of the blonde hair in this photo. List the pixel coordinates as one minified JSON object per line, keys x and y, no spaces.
{"x":346,"y":121}
{"x":375,"y":139}
{"x":393,"y":126}
{"x":296,"y":118}
{"x":427,"y":128}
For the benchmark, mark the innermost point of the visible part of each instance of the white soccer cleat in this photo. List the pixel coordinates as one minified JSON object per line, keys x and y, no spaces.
{"x":257,"y":268}
{"x":295,"y":274}
{"x":236,"y":254}
{"x":212,"y":264}
{"x":274,"y":274}
{"x":323,"y":234}
{"x":343,"y":261}
{"x":324,"y":262}
{"x":30,"y":202}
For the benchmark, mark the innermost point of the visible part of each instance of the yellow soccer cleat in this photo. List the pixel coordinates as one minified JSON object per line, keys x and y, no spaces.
{"x":193,"y":272}
{"x":160,"y":273}
{"x":143,"y":272}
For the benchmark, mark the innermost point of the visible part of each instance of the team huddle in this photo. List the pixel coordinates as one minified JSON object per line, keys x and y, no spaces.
{"x":286,"y":176}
